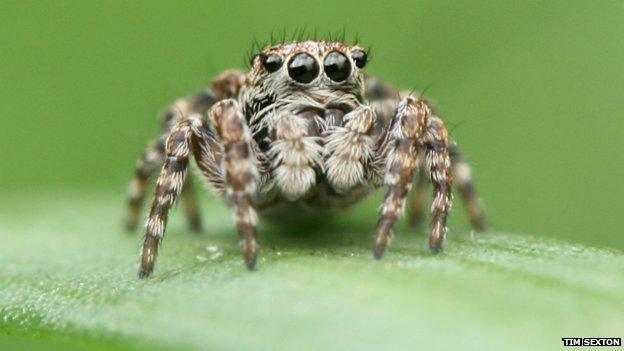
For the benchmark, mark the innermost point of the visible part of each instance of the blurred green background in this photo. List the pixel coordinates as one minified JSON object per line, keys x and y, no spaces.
{"x":532,"y":90}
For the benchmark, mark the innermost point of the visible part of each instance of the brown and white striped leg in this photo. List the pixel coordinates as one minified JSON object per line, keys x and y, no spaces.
{"x":411,"y":134}
{"x":241,"y":173}
{"x":168,"y":188}
{"x":226,"y":85}
{"x":463,"y":179}
{"x":400,"y":151}
{"x":437,"y":163}
{"x":151,"y":160}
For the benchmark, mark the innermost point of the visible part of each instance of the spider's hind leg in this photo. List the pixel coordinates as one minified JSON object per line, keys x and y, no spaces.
{"x":462,"y":176}
{"x":463,"y":179}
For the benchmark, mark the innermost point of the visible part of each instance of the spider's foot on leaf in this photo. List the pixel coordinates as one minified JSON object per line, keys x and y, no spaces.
{"x":143,"y":274}
{"x":250,"y":257}
{"x":481,"y":224}
{"x":436,"y":249}
{"x":196,"y":226}
{"x":378,"y":254}
{"x":380,"y":249}
{"x":251,"y":265}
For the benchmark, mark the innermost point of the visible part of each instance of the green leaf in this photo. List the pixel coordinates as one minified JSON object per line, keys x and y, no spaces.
{"x":67,"y":277}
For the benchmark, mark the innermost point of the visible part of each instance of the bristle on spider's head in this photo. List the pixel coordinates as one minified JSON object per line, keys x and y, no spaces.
{"x":284,"y":36}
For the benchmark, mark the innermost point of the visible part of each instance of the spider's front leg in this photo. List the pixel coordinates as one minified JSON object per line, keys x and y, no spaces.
{"x":384,"y":100}
{"x":241,"y":173}
{"x":414,"y":136}
{"x":168,"y":187}
{"x":226,"y":85}
{"x":153,"y":159}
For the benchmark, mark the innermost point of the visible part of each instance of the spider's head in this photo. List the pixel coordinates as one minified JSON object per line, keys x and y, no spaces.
{"x":308,"y":73}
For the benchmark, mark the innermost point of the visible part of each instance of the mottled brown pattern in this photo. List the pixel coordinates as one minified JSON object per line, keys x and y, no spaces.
{"x":438,"y":164}
{"x":400,"y":151}
{"x":153,"y":159}
{"x":315,"y":134}
{"x":168,"y":187}
{"x":241,"y":173}
{"x":467,"y":190}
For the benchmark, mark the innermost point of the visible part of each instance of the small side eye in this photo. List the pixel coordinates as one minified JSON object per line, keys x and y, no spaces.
{"x":360,"y":58}
{"x":337,"y":66}
{"x":271,"y":62}
{"x":303,"y":68}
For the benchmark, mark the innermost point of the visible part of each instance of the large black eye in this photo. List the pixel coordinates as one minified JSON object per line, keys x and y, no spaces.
{"x":303,"y":68}
{"x":337,"y":66}
{"x":360,"y":58}
{"x":271,"y":62}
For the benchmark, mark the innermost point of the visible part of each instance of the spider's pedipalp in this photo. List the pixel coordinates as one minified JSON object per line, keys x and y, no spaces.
{"x":295,"y":155}
{"x":349,"y":149}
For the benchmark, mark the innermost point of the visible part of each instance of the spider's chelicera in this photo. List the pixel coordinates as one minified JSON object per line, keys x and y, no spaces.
{"x":305,"y":125}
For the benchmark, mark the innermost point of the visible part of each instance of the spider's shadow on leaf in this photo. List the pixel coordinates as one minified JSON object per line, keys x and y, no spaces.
{"x":294,"y":227}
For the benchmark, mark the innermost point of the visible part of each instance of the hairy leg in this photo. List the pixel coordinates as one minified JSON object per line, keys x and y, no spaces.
{"x":437,"y":163}
{"x":168,"y":188}
{"x":153,"y":159}
{"x":463,"y":179}
{"x":384,"y":100}
{"x":414,"y":137}
{"x":400,"y":154}
{"x":224,"y":86}
{"x":241,"y":173}
{"x":462,"y":176}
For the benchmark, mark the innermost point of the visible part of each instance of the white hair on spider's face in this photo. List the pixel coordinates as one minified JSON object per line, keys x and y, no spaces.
{"x":301,"y":75}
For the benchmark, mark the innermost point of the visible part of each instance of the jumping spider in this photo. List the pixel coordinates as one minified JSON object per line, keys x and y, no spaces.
{"x":308,"y":126}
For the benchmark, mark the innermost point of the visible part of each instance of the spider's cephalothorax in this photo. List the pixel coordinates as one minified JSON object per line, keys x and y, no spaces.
{"x":304,"y":125}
